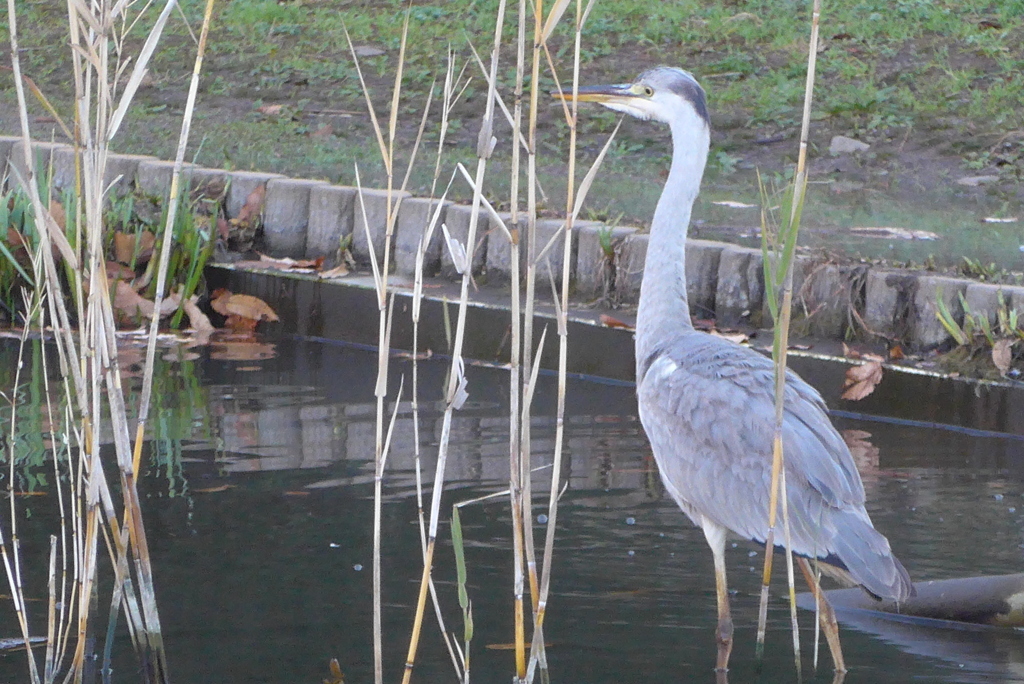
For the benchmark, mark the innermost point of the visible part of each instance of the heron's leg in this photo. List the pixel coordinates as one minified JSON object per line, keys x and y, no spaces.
{"x":826,"y":616}
{"x":715,"y":535}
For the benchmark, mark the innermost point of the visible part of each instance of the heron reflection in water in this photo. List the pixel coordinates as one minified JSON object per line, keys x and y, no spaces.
{"x":707,"y":404}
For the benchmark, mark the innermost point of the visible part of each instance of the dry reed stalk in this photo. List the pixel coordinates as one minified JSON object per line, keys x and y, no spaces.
{"x":450,"y":94}
{"x":780,"y":347}
{"x":384,"y":317}
{"x":456,"y":392}
{"x":521,"y":518}
{"x":525,"y":442}
{"x":93,"y":379}
{"x":386,"y":312}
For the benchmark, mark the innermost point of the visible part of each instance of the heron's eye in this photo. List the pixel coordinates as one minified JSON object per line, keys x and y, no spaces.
{"x":648,"y":91}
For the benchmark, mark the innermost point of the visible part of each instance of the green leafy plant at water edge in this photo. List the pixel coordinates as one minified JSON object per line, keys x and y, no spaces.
{"x":131,"y":214}
{"x":15,"y":222}
{"x":977,"y":329}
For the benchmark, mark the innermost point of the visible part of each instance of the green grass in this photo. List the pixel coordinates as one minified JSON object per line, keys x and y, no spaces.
{"x":933,"y":85}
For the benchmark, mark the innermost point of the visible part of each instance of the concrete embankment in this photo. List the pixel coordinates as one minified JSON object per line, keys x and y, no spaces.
{"x":309,"y":218}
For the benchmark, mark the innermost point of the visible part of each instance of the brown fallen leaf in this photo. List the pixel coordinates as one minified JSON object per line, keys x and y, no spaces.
{"x":245,"y":306}
{"x":131,"y":304}
{"x":57,"y":212}
{"x":283,"y":263}
{"x":896,"y":353}
{"x":271,"y":109}
{"x":199,"y":321}
{"x":612,"y":322}
{"x":339,"y":271}
{"x":1002,"y":355}
{"x":862,"y":380}
{"x":124,"y":247}
{"x":116,"y":270}
{"x":253,"y":206}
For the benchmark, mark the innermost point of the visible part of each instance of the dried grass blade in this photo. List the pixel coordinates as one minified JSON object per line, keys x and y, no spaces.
{"x":369,"y":104}
{"x":553,"y":18}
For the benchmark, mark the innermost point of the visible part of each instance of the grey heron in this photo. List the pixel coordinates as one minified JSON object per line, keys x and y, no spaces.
{"x":707,"y":404}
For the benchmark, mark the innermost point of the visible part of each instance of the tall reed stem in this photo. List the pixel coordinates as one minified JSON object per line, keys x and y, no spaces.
{"x":784,"y":266}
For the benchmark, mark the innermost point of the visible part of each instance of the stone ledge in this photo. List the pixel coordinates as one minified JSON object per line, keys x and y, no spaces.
{"x":726,"y":282}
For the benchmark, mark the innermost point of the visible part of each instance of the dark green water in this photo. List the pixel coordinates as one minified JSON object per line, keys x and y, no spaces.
{"x":268,"y":579}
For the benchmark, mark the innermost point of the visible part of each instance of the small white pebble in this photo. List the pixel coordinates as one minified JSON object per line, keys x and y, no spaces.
{"x":542,"y":518}
{"x":631,"y":553}
{"x":999,"y":497}
{"x":631,"y":521}
{"x":1012,"y":509}
{"x":751,"y":554}
{"x":357,"y":567}
{"x":335,"y":545}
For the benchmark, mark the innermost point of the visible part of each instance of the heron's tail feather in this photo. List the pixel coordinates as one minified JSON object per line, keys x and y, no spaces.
{"x":865,"y":555}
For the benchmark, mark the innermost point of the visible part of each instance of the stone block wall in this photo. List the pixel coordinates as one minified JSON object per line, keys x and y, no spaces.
{"x":310,"y":218}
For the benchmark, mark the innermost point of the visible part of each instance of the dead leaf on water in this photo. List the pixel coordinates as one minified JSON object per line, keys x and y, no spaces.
{"x":993,"y":219}
{"x":245,"y":306}
{"x":865,"y":454}
{"x":612,"y":322}
{"x":199,"y":321}
{"x":862,"y":380}
{"x":130,"y":304}
{"x":336,"y":675}
{"x":242,"y":351}
{"x":1002,"y":355}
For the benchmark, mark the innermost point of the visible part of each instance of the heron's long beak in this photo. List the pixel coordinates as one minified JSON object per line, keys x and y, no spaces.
{"x":603,"y":94}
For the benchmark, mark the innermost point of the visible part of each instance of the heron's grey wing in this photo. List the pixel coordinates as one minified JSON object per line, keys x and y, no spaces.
{"x":707,"y":405}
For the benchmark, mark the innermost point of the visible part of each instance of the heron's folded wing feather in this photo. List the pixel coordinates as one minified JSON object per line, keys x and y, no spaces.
{"x":708,"y":408}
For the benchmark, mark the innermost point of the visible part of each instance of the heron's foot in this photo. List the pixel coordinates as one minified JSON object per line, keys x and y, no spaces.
{"x":723,"y":636}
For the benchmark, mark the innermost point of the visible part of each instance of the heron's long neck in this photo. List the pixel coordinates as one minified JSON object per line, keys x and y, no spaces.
{"x":664,"y":312}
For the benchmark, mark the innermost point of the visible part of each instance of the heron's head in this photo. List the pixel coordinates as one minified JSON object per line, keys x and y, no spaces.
{"x":665,"y":94}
